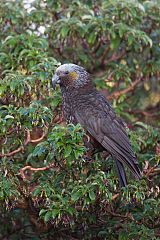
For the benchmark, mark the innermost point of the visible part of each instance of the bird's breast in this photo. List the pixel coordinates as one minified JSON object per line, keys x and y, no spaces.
{"x":68,"y":108}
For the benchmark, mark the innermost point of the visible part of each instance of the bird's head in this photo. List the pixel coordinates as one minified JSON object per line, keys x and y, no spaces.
{"x":70,"y":76}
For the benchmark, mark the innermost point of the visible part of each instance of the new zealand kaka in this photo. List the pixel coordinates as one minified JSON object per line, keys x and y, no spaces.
{"x":83,"y":104}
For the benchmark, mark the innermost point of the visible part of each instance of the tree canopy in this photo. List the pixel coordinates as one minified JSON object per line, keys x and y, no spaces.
{"x":47,"y":187}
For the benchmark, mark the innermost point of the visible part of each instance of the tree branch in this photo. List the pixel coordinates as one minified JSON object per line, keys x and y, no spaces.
{"x":27,"y":141}
{"x":13,"y":152}
{"x":117,"y":94}
{"x":30,"y":168}
{"x":150,"y":171}
{"x":115,"y":56}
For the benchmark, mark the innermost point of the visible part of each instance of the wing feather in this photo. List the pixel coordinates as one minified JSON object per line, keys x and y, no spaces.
{"x":106,"y":128}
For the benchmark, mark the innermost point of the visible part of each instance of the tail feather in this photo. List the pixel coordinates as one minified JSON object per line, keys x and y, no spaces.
{"x":121,"y":174}
{"x":122,"y":156}
{"x":132,"y":164}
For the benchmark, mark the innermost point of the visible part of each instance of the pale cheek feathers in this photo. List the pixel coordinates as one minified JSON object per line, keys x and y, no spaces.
{"x":73,"y":76}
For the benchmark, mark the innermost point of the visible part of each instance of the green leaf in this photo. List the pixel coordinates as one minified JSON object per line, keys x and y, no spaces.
{"x":92,"y":194}
{"x":67,"y":151}
{"x":75,"y":196}
{"x":130,"y":40}
{"x":55,"y":213}
{"x":141,"y":124}
{"x":92,"y":38}
{"x":115,"y":42}
{"x":64,"y":31}
{"x":42,"y":211}
{"x":71,"y":210}
{"x":48,"y":216}
{"x":9,"y":117}
{"x":123,"y":235}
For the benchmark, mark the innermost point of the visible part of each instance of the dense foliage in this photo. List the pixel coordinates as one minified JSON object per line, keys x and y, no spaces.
{"x":48,"y":187}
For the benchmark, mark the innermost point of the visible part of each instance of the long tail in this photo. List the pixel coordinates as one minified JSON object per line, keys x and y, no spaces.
{"x":121,"y":174}
{"x":120,"y":154}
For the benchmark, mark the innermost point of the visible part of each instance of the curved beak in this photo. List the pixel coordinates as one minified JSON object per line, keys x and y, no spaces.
{"x":55,"y":80}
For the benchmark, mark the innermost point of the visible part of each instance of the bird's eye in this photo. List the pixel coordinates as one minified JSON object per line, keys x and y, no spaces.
{"x":66,"y":72}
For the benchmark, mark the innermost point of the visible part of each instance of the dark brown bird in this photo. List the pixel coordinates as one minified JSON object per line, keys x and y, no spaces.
{"x":83,"y":104}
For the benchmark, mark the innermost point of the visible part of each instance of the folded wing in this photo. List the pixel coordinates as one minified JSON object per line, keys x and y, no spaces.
{"x":102,"y":123}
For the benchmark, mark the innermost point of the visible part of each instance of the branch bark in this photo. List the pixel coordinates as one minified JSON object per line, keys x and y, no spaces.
{"x":115,"y":56}
{"x":32,"y":169}
{"x":117,"y":94}
{"x":27,"y":141}
{"x":150,"y":171}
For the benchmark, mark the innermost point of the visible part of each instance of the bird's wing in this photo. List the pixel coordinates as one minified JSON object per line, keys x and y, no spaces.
{"x":99,"y":119}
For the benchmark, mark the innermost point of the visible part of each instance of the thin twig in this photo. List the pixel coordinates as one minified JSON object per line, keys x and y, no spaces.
{"x":127,"y":216}
{"x":150,"y":171}
{"x":115,"y":196}
{"x":146,"y":166}
{"x":155,"y":172}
